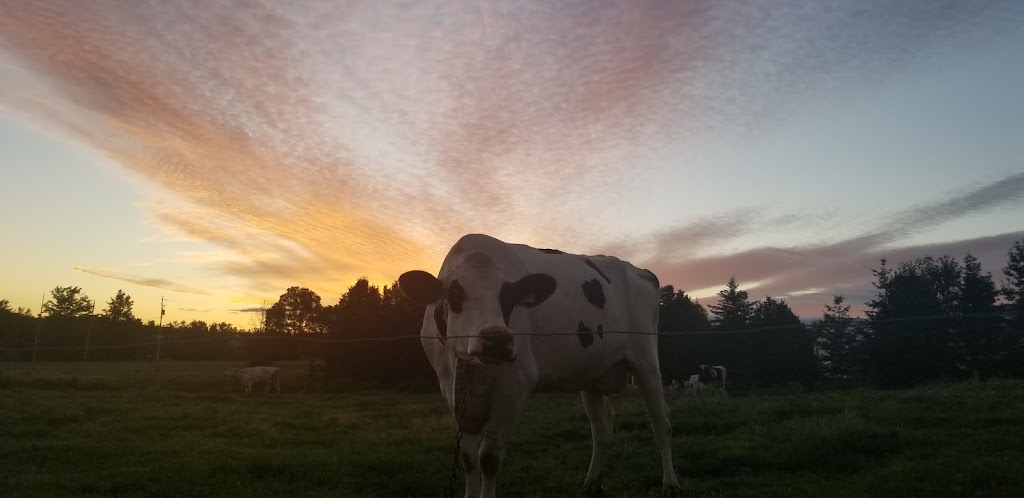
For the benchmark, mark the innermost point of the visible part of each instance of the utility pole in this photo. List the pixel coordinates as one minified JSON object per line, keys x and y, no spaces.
{"x":88,"y":333}
{"x":39,"y":324}
{"x":159,"y":333}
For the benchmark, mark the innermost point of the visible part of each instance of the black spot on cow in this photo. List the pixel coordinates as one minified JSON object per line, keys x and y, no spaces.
{"x":584,"y":334}
{"x":527,"y":292}
{"x":550,"y":251}
{"x":650,"y":277}
{"x":441,"y":320}
{"x":600,"y":331}
{"x":593,"y":292}
{"x":598,"y":270}
{"x":456,"y":296}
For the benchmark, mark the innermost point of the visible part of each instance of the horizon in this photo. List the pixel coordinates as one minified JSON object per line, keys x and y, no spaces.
{"x":216,"y":156}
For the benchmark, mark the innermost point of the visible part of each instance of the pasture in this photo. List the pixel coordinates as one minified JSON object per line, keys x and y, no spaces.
{"x":71,"y":429}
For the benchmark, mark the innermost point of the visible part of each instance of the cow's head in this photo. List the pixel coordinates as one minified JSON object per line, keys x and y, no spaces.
{"x":231,"y":373}
{"x":472,"y":306}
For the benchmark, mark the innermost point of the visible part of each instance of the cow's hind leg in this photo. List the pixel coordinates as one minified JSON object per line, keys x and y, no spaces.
{"x":650,"y":385}
{"x":602,"y":425}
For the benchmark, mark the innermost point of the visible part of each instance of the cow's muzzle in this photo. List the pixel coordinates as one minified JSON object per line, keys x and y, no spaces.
{"x":494,"y":345}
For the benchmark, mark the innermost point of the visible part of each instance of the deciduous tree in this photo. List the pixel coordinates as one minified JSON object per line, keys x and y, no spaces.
{"x":67,"y":302}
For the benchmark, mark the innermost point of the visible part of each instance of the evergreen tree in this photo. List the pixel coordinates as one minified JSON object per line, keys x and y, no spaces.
{"x":1013,"y":286}
{"x":840,"y":341}
{"x":980,"y":329}
{"x":912,"y":329}
{"x":732,"y":311}
{"x":119,"y":308}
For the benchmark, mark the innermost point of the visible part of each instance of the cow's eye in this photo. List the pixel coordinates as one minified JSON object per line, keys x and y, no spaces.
{"x":456,"y":296}
{"x":441,"y":319}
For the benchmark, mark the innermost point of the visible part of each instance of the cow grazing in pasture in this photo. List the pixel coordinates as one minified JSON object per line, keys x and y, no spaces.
{"x":254,"y":375}
{"x":692,"y":385}
{"x":517,"y":319}
{"x":712,"y":377}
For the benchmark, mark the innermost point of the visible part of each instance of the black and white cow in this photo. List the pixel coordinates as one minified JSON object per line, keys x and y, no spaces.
{"x":526,"y":318}
{"x":712,"y":377}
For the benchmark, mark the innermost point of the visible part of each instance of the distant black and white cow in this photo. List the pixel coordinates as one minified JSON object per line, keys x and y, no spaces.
{"x":525,"y":318}
{"x":712,"y":377}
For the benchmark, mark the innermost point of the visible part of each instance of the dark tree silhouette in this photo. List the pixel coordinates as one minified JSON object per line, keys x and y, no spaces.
{"x":401,"y":315}
{"x":680,"y":312}
{"x":298,"y":311}
{"x":771,"y":312}
{"x":67,"y":302}
{"x":732,"y":311}
{"x":119,"y":308}
{"x":1013,"y":286}
{"x":358,"y":313}
{"x":981,"y":335}
{"x":912,"y":318}
{"x":841,"y":342}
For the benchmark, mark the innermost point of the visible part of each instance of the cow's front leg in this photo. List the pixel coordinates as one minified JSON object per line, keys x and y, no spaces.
{"x":468,"y":453}
{"x":508,"y":401}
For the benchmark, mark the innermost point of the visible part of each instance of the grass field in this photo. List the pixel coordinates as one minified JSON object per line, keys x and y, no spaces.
{"x":71,"y":429}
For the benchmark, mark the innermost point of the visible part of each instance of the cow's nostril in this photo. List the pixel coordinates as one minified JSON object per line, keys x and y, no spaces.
{"x":499,"y":347}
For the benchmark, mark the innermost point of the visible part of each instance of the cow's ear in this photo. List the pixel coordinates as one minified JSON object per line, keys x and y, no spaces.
{"x":533,"y":289}
{"x":420,"y":286}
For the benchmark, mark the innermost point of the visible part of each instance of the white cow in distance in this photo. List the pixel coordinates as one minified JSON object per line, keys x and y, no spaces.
{"x":253,"y":375}
{"x":525,"y":318}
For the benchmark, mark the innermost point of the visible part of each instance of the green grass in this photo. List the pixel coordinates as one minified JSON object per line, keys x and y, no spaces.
{"x":71,"y":429}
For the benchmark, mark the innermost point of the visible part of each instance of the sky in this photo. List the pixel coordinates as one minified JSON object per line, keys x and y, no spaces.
{"x":216,"y":153}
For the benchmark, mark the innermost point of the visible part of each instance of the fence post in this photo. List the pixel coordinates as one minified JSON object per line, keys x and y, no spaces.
{"x":39,"y":325}
{"x":159,"y":334}
{"x":88,"y":333}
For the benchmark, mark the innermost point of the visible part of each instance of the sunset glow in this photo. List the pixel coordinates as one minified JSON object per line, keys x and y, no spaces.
{"x":216,"y":153}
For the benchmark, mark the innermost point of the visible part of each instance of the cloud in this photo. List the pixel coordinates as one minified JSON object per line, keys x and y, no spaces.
{"x":157,"y":283}
{"x":194,"y":310}
{"x":249,"y":310}
{"x":844,"y":266}
{"x":320,"y":144}
{"x":1008,"y":190}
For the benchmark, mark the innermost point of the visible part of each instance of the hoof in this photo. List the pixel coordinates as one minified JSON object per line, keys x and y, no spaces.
{"x":672,"y":491}
{"x":593,"y":490}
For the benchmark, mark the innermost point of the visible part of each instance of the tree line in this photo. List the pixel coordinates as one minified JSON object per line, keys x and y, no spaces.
{"x":931,"y":318}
